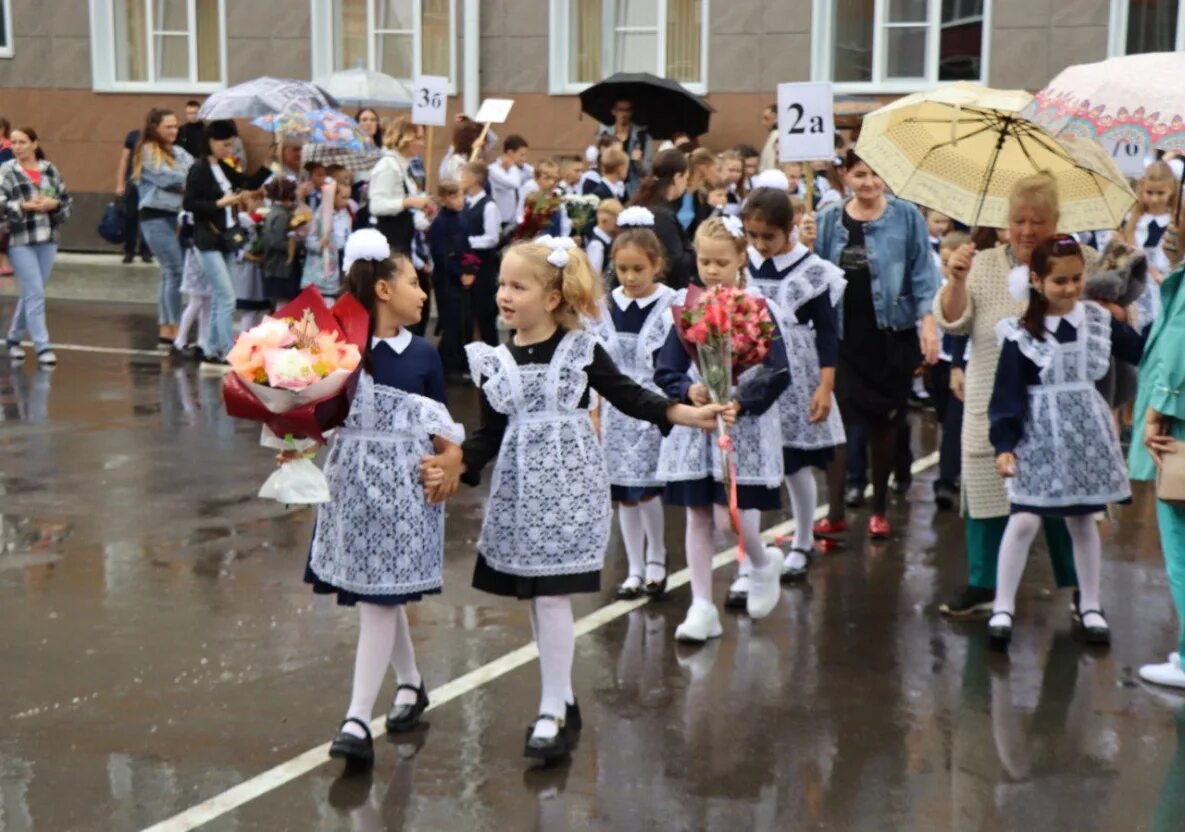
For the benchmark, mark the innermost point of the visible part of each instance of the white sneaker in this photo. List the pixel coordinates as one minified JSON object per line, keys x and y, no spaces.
{"x":1170,"y":674}
{"x":16,"y":352}
{"x":47,"y":358}
{"x":702,"y":623}
{"x":765,"y":586}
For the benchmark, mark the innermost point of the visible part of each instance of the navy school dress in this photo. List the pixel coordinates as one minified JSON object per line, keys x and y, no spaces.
{"x":1065,"y":446}
{"x":414,"y":369}
{"x":672,"y":375}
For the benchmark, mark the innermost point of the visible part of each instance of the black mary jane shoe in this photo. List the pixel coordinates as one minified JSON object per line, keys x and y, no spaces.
{"x":403,"y":718}
{"x":1094,"y":636}
{"x":573,"y":721}
{"x":629,"y":593}
{"x":736,"y":600}
{"x":352,"y":749}
{"x":550,"y":749}
{"x":656,"y":589}
{"x":797,"y":576}
{"x":1000,"y":635}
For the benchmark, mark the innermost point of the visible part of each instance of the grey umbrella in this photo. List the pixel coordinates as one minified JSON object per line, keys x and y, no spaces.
{"x":266,"y":96}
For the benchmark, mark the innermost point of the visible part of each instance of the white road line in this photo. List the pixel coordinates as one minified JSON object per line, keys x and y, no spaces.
{"x":286,"y":772}
{"x":101,"y":350}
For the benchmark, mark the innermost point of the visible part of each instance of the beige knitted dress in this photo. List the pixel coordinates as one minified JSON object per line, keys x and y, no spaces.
{"x":988,"y":303}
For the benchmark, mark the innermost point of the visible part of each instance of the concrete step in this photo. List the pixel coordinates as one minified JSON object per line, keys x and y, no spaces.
{"x":97,"y":277}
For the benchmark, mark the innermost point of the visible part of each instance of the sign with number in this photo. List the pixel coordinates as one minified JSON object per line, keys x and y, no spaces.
{"x":1129,"y":155}
{"x":806,"y":122}
{"x":429,"y":100}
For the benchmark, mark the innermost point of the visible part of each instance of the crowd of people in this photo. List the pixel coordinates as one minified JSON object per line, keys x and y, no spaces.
{"x":876,"y":303}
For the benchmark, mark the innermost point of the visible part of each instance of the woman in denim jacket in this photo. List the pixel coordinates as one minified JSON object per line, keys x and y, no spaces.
{"x":882,"y":245}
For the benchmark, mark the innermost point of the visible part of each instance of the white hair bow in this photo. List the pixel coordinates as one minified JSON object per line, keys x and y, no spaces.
{"x":636,"y":216}
{"x":365,"y":244}
{"x":733,"y":225}
{"x":1019,"y":282}
{"x":560,"y":246}
{"x":772,"y":178}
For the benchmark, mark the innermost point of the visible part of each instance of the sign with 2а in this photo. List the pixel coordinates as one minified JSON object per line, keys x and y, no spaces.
{"x":806,"y":122}
{"x":429,"y":101}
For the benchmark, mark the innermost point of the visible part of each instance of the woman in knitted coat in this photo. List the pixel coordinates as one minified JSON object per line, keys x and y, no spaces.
{"x":972,"y":302}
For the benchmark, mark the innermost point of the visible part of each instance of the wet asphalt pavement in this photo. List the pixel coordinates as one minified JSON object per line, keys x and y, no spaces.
{"x":157,"y":647}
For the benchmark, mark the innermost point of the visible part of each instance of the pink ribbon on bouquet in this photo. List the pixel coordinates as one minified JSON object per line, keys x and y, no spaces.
{"x":724,"y":442}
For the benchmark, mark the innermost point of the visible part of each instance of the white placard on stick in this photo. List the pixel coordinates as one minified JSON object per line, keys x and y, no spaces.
{"x":806,"y":122}
{"x":429,"y":102}
{"x":494,"y":111}
{"x":1129,"y":155}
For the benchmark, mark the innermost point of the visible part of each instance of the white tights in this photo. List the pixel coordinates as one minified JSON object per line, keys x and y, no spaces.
{"x":384,"y":637}
{"x":555,"y":636}
{"x":645,"y":539}
{"x":699,"y":543}
{"x":804,"y":499}
{"x":1014,"y":553}
{"x":196,"y":308}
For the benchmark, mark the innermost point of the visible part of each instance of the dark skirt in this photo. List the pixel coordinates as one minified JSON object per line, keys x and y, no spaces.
{"x":707,"y":492}
{"x":874,"y":375}
{"x":1061,"y":511}
{"x":795,"y":459}
{"x":633,"y":493}
{"x":348,"y":598}
{"x":488,"y":579}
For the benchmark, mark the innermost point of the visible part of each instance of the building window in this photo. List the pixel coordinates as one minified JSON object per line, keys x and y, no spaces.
{"x":402,"y":38}
{"x":592,"y":39}
{"x":158,"y":45}
{"x":900,"y":45}
{"x":5,"y":28}
{"x":1139,"y":26}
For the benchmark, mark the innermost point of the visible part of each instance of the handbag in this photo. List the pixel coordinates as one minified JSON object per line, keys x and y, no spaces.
{"x":233,"y":238}
{"x":1170,"y":476}
{"x":112,"y":225}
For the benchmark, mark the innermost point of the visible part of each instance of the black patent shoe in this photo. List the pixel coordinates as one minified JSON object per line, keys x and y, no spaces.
{"x":357,"y":750}
{"x":736,"y":600}
{"x":550,"y":749}
{"x":1095,"y":636}
{"x":853,"y":496}
{"x":1000,"y":635}
{"x":403,"y":718}
{"x":656,"y":589}
{"x":573,"y":721}
{"x":628,"y":592}
{"x":791,"y":575}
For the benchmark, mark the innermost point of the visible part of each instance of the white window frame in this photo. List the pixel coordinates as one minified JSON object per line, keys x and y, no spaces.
{"x":6,"y":50}
{"x":558,"y":83}
{"x":322,"y":39}
{"x":1117,"y":28}
{"x":103,"y":53}
{"x":822,"y":58}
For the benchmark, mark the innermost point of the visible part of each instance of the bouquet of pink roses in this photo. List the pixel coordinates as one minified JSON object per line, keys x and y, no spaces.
{"x":296,"y":372}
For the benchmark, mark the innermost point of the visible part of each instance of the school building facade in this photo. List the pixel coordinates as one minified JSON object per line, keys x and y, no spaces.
{"x":84,"y":72}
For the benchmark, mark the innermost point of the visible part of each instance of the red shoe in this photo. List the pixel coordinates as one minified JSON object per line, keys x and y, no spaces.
{"x":828,"y":528}
{"x":879,"y":528}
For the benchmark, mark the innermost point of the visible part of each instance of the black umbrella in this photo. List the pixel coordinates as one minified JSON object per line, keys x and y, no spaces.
{"x":663,"y":106}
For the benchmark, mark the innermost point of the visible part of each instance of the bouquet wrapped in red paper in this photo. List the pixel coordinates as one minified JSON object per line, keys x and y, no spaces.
{"x":726,"y":332}
{"x":538,"y":210}
{"x":296,"y":373}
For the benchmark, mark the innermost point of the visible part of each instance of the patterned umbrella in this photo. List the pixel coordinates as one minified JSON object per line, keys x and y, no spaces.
{"x":328,"y":127}
{"x":361,"y":86}
{"x":959,"y":149}
{"x":1130,"y":105}
{"x":266,"y":96}
{"x":357,"y":162}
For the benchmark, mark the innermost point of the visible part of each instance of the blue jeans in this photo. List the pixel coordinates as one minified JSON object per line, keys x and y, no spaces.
{"x":31,"y":265}
{"x":161,"y":235}
{"x":218,"y":266}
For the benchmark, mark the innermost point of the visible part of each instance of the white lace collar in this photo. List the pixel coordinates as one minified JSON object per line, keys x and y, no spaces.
{"x":623,"y":302}
{"x":1074,"y":317}
{"x":397,"y":343}
{"x":781,"y":261}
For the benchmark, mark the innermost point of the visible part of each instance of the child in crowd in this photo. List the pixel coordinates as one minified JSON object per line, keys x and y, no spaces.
{"x":1145,"y":227}
{"x":631,"y":330}
{"x":548,"y":517}
{"x":379,"y":543}
{"x":732,"y":172}
{"x":484,"y":235}
{"x":448,"y":242}
{"x":610,"y":182}
{"x":750,"y":160}
{"x":690,"y":463}
{"x":717,"y":197}
{"x":600,"y":240}
{"x":805,"y":290}
{"x":507,"y":176}
{"x":196,"y":288}
{"x":341,"y":176}
{"x":547,"y":177}
{"x":325,"y":244}
{"x":594,"y":155}
{"x":250,"y":298}
{"x":571,"y":169}
{"x":315,"y":173}
{"x":281,"y":277}
{"x":1052,"y":431}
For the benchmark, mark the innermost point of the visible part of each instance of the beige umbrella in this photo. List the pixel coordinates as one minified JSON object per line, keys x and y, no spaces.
{"x":959,"y":149}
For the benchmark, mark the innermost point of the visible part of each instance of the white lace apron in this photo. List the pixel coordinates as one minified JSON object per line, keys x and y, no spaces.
{"x":379,"y":535}
{"x":809,"y":279}
{"x":691,"y":454}
{"x":631,"y":445}
{"x":1069,"y":454}
{"x":548,"y":512}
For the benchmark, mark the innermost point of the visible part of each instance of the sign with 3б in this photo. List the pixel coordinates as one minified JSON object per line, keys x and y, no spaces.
{"x":806,"y":122}
{"x":429,"y":101}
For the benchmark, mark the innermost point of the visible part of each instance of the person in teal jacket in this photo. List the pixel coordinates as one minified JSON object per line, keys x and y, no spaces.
{"x":1161,"y":397}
